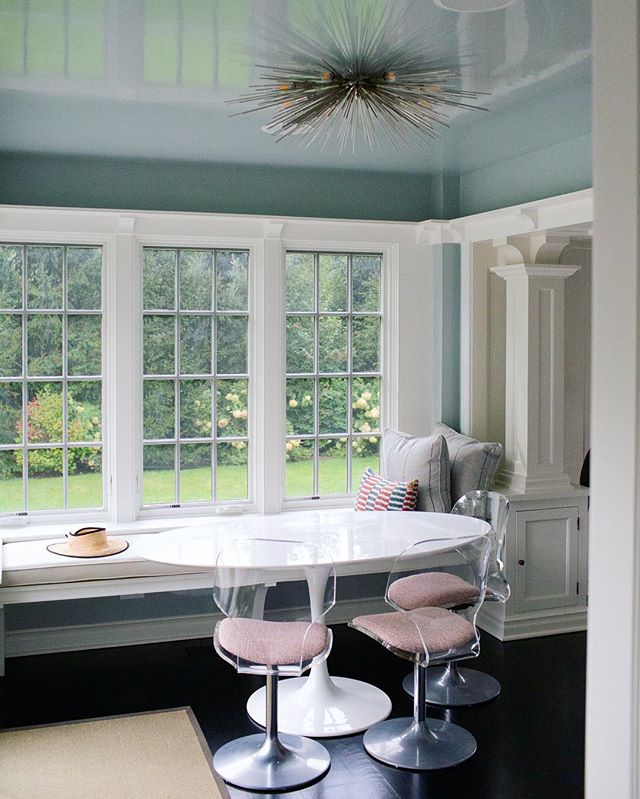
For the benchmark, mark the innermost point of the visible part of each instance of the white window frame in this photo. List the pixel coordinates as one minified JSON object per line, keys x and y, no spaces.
{"x":406,"y":385}
{"x":106,"y":242}
{"x":388,"y":342}
{"x":255,"y":265}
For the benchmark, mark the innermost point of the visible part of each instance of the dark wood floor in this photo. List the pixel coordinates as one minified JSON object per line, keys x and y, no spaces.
{"x":530,"y":740}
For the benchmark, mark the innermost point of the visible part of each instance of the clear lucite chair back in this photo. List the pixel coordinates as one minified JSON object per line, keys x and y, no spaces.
{"x":274,"y":580}
{"x":493,"y":508}
{"x":467,"y":559}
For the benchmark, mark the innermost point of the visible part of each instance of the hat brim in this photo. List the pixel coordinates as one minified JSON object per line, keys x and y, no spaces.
{"x":113,"y":547}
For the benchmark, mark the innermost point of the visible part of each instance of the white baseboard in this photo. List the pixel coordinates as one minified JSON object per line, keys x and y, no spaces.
{"x":43,"y":641}
{"x":534,"y":624}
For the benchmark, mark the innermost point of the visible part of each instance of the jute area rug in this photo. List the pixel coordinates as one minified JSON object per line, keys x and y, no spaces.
{"x":160,"y":755}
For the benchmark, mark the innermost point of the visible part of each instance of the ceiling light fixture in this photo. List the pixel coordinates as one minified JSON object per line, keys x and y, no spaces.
{"x":357,"y":75}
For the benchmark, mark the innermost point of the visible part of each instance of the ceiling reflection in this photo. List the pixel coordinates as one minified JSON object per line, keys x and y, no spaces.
{"x":199,"y":53}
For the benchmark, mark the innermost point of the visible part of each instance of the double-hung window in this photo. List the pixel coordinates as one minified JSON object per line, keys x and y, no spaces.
{"x":160,"y":366}
{"x":333,"y":365}
{"x":50,"y":377}
{"x":195,"y":410}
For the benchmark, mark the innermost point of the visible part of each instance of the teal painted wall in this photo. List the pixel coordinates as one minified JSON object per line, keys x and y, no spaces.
{"x":85,"y":182}
{"x":446,"y":333}
{"x":451,"y":335}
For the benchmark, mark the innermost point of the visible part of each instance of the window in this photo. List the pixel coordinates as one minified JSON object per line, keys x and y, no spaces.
{"x":50,"y":377}
{"x":195,"y":376}
{"x":333,"y":321}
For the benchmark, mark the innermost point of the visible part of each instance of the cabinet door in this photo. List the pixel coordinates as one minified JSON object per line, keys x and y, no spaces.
{"x":546,"y":559}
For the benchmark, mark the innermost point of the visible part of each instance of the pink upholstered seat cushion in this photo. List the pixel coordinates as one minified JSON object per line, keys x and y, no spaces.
{"x":272,"y":643}
{"x":442,"y":630}
{"x":432,"y":589}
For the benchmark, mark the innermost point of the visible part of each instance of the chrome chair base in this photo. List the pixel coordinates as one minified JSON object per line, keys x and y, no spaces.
{"x":454,"y":687}
{"x":258,"y":764}
{"x":419,"y":745}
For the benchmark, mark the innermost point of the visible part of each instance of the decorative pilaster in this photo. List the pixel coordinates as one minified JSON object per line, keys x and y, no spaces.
{"x":534,"y":408}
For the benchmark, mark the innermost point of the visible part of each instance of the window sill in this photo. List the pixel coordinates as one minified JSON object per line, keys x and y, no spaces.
{"x":33,"y":531}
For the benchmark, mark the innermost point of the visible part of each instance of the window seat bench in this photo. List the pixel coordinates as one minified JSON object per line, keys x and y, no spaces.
{"x":30,"y":573}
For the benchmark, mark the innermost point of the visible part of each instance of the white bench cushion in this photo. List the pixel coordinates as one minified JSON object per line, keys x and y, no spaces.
{"x":30,"y":563}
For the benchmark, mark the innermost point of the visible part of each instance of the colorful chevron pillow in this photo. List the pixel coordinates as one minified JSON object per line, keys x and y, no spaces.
{"x":376,"y":493}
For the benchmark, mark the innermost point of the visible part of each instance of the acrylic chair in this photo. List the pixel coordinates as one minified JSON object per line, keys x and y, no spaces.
{"x":428,"y":635}
{"x":449,"y":685}
{"x":251,"y":575}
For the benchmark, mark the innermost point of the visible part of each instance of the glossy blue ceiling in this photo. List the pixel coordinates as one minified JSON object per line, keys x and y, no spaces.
{"x":150,"y":78}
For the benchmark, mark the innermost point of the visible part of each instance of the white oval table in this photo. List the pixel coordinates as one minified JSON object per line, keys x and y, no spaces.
{"x":358,"y":543}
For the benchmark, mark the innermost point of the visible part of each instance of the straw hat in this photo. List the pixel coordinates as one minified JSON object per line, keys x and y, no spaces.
{"x":89,"y":542}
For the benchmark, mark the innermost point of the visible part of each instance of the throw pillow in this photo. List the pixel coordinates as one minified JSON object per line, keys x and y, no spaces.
{"x":376,"y":493}
{"x":426,"y":458}
{"x":473,"y":463}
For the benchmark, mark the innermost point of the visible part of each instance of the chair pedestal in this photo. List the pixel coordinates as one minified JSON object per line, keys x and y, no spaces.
{"x":451,"y":686}
{"x":419,"y":743}
{"x":271,"y":762}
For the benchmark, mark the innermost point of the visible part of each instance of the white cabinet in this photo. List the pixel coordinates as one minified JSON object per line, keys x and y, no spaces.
{"x":546,"y":550}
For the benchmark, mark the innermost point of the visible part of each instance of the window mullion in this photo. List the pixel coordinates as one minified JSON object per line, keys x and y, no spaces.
{"x":268,"y":386}
{"x":123,"y":361}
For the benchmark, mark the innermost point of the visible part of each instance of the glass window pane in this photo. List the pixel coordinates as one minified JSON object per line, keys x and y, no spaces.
{"x":333,"y":403}
{"x":84,"y":277}
{"x":300,"y":406}
{"x":84,"y":487}
{"x":365,"y":453}
{"x":231,"y":470}
{"x":195,"y":409}
{"x":232,"y":408}
{"x":10,"y":414}
{"x":159,"y":409}
{"x":366,"y":404}
{"x":333,"y":283}
{"x":332,"y":343}
{"x":11,"y":477}
{"x":231,"y":347}
{"x":300,"y":281}
{"x":231,"y":280}
{"x":84,"y":345}
{"x":159,"y":479}
{"x":299,"y":468}
{"x":159,"y":345}
{"x":84,"y":411}
{"x":365,"y":343}
{"x":195,"y":473}
{"x":44,"y":276}
{"x":44,"y":413}
{"x":196,"y":279}
{"x":45,"y":487}
{"x":44,"y":344}
{"x":365,"y":282}
{"x":11,"y":348}
{"x":158,"y":279}
{"x":332,"y":466}
{"x":195,"y":345}
{"x":300,"y":344}
{"x":10,"y":276}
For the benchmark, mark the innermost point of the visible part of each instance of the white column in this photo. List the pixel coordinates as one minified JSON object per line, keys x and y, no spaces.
{"x":613,"y":658}
{"x":534,"y":410}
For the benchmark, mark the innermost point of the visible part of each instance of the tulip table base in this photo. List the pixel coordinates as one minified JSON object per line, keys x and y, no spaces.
{"x":320,"y":706}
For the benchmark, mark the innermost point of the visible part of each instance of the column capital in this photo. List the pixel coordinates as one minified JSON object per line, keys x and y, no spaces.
{"x":535,"y":270}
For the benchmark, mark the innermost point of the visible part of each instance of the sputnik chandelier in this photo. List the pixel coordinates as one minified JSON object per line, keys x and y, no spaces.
{"x":353,"y":75}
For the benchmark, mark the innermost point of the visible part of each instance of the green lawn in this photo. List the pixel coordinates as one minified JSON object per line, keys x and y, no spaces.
{"x":45,"y":493}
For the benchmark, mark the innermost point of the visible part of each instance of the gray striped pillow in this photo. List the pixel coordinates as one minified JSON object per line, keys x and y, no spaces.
{"x":405,"y":457}
{"x":473,"y":463}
